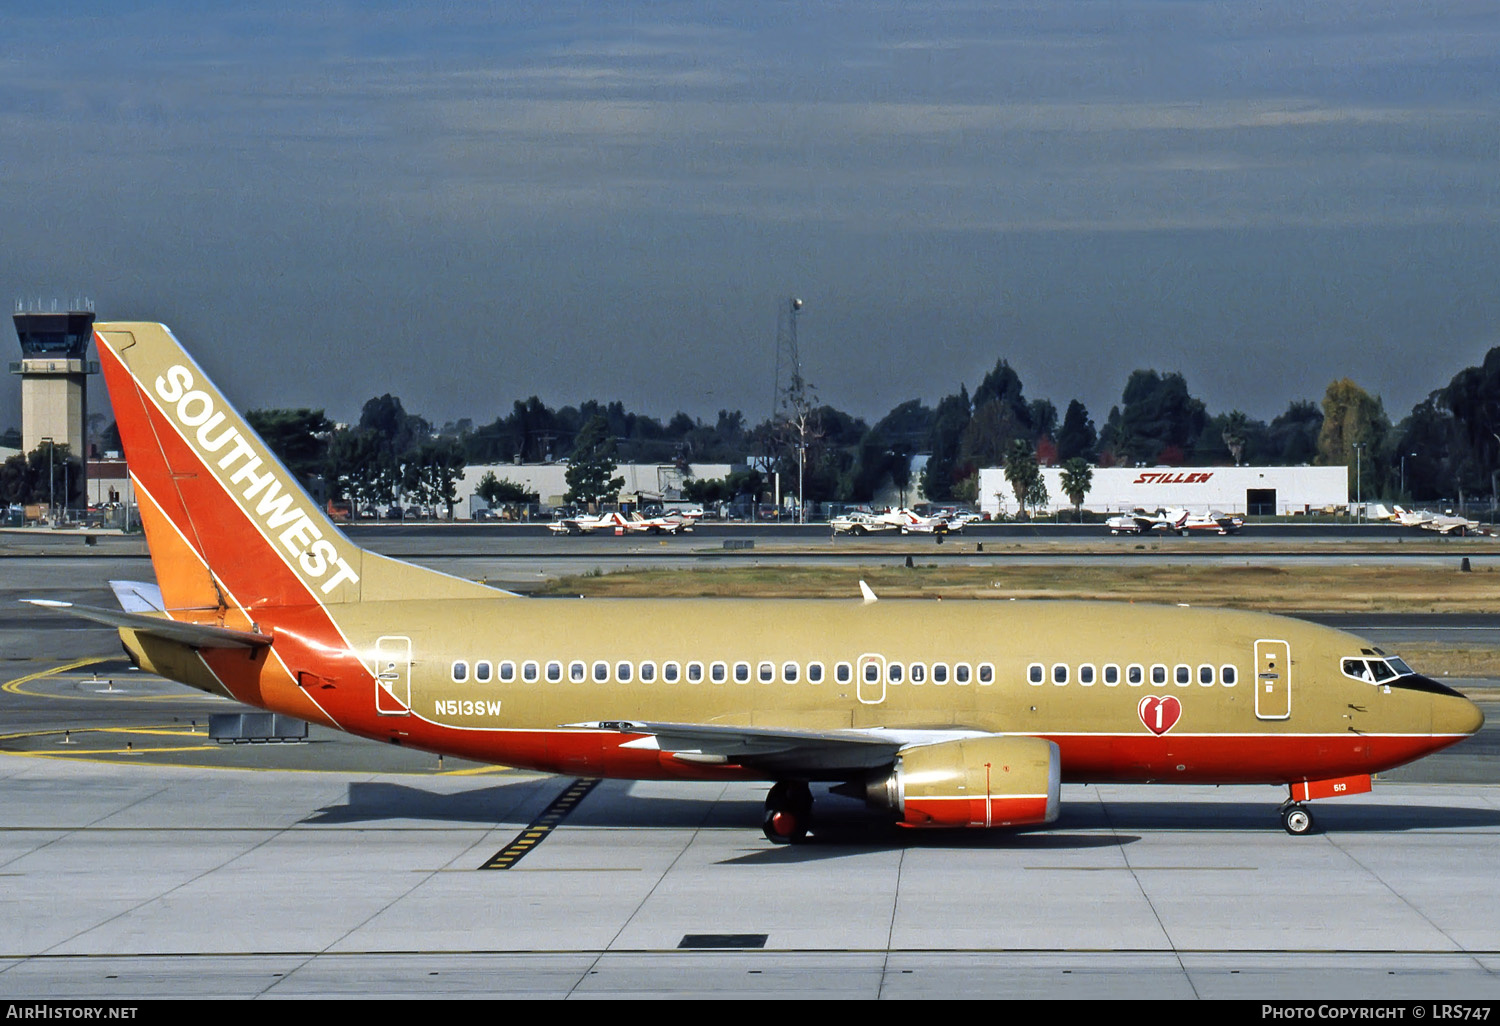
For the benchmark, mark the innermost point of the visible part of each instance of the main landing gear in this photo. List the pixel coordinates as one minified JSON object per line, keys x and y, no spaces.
{"x":788,"y":812}
{"x":1296,"y":818}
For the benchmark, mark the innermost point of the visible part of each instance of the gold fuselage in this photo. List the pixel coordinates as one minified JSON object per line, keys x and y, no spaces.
{"x":1299,"y":719}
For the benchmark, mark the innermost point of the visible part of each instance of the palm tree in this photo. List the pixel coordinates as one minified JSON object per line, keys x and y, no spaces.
{"x":1022,"y":472}
{"x":1077,"y":478}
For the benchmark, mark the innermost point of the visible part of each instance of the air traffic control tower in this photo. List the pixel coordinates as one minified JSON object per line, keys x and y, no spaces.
{"x":54,"y":369}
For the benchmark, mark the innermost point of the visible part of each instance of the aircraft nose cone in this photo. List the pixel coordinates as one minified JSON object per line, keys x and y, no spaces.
{"x":1456,"y":715}
{"x":1475,"y":718}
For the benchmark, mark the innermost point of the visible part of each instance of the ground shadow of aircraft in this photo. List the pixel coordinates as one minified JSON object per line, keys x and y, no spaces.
{"x":846,"y":827}
{"x":370,"y":802}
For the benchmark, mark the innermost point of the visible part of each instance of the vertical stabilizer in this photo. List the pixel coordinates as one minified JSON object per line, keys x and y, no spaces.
{"x":227,"y":524}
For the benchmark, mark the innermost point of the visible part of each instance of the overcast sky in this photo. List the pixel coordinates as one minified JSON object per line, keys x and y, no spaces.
{"x":466,"y":204}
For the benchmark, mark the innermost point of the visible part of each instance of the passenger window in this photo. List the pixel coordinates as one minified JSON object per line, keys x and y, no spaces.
{"x":1086,"y":675}
{"x":694,"y":673}
{"x":789,"y":672}
{"x":961,"y":672}
{"x":1184,"y":675}
{"x":482,"y":672}
{"x":577,"y":672}
{"x":1059,"y":673}
{"x":601,"y":672}
{"x":460,"y":672}
{"x":986,"y":673}
{"x":507,"y":672}
{"x":767,"y":672}
{"x":842,"y":673}
{"x":893,"y":673}
{"x":872,"y":673}
{"x":1226,"y":674}
{"x":1206,"y":675}
{"x":648,"y":673}
{"x":1111,"y":675}
{"x":741,"y":672}
{"x":815,"y":673}
{"x":623,"y":672}
{"x":918,"y":673}
{"x":1135,"y":675}
{"x":718,"y":672}
{"x":1036,"y":673}
{"x":530,"y":671}
{"x":670,"y":672}
{"x":554,"y":672}
{"x":940,"y":673}
{"x":1158,"y":675}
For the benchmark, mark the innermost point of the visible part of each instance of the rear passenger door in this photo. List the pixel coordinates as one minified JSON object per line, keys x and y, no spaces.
{"x":1273,"y":679}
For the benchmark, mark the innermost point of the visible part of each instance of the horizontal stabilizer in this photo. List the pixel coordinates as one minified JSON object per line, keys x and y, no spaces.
{"x":138,"y":597}
{"x":197,"y":635}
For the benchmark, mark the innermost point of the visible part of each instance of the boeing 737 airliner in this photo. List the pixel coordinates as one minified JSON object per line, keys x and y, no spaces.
{"x":964,"y":714}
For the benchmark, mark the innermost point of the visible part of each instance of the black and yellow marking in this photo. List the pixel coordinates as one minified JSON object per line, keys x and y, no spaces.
{"x":537,"y":831}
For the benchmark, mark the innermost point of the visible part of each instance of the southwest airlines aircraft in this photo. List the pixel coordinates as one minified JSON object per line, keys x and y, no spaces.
{"x":959,"y":714}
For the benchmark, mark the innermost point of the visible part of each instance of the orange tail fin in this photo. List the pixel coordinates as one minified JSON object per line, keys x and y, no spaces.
{"x":228,"y":526}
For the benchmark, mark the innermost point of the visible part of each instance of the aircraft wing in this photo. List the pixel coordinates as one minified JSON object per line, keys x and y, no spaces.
{"x":779,"y":750}
{"x":1447,"y":525}
{"x":197,"y":635}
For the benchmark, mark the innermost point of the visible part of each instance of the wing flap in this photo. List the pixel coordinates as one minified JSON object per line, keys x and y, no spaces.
{"x":780,"y":751}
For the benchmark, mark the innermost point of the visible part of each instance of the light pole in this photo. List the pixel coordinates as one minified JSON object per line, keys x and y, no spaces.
{"x":1403,"y":472}
{"x":1359,"y":498}
{"x":801,"y":461}
{"x":50,"y":516}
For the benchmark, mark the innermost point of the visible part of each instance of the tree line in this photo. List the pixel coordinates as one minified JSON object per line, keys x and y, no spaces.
{"x":1447,"y":447}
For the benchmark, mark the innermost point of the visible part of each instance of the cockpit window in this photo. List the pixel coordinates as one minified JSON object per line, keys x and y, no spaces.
{"x":1376,"y":671}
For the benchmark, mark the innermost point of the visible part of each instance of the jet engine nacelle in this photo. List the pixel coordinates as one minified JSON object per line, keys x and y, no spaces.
{"x":973,"y":782}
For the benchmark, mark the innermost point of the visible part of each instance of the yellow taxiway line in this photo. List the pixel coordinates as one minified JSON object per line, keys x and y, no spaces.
{"x":14,"y":686}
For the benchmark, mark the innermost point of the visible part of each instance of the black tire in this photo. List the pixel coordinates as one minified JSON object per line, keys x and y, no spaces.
{"x":1297,"y":820}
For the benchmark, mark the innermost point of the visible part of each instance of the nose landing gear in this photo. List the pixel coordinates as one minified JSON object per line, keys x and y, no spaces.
{"x":1296,"y":818}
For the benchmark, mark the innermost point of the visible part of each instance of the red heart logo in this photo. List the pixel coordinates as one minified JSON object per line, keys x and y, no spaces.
{"x":1159,"y":714}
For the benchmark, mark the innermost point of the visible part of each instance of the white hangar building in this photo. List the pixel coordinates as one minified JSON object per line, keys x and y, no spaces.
{"x":1275,"y":491}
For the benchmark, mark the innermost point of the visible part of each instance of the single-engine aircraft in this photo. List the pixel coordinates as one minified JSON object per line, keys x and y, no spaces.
{"x":912,"y":522}
{"x":1212,"y":522}
{"x":958,"y":714}
{"x":858,"y":522}
{"x":588,"y":523}
{"x":1138,"y":522}
{"x":1442,"y":523}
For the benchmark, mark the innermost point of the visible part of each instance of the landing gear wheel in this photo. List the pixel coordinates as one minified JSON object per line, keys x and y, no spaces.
{"x":788,"y":812}
{"x":1297,"y":820}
